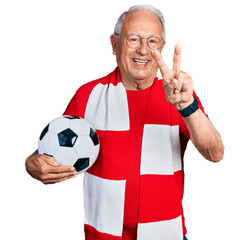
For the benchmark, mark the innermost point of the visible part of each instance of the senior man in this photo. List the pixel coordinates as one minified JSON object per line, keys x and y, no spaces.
{"x":135,"y":188}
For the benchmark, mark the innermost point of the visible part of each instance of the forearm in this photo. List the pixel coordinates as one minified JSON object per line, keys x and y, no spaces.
{"x":204,"y":136}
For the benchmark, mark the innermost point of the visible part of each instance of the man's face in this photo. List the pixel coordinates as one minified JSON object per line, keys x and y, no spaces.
{"x":145,"y":24}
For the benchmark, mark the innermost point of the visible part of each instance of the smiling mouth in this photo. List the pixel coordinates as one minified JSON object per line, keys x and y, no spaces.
{"x":139,"y":62}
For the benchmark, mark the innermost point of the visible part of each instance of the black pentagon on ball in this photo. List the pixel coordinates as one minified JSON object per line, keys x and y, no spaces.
{"x":67,"y":138}
{"x":81,"y":164}
{"x":94,"y":136}
{"x":44,"y":131}
{"x":70,"y":117}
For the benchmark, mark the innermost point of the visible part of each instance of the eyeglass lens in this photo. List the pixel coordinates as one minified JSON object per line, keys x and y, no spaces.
{"x":134,"y":41}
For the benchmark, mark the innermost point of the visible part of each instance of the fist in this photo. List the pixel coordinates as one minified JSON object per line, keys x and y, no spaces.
{"x":178,"y":85}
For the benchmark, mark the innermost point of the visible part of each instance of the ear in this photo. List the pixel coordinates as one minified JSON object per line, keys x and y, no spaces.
{"x":114,"y":43}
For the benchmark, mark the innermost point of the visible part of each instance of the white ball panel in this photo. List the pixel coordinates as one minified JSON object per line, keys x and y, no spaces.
{"x":49,"y":143}
{"x":40,"y":150}
{"x":80,"y":126}
{"x":83,"y":146}
{"x":66,"y":156}
{"x":59,"y":124}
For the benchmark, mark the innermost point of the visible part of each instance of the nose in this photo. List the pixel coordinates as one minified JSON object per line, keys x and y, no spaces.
{"x":143,"y":49}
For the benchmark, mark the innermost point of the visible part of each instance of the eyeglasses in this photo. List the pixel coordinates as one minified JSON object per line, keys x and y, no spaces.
{"x":134,"y":41}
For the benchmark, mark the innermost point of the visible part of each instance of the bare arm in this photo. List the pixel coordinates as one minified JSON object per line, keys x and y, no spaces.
{"x":204,"y":136}
{"x":47,"y":170}
{"x":178,"y":88}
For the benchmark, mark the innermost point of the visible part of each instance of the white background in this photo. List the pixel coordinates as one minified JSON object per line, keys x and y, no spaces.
{"x":44,"y":58}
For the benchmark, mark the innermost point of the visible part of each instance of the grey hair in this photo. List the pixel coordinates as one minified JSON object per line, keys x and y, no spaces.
{"x":150,"y":8}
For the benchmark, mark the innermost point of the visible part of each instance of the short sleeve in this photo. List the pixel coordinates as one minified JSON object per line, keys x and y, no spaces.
{"x":183,"y":128}
{"x":77,"y":105}
{"x":72,"y":109}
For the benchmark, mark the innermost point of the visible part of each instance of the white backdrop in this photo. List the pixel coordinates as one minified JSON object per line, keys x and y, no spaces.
{"x":44,"y":59}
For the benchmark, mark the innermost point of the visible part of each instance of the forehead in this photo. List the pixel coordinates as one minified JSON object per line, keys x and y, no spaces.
{"x":141,"y":22}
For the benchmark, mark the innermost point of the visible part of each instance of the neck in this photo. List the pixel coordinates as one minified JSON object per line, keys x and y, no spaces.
{"x":137,"y":85}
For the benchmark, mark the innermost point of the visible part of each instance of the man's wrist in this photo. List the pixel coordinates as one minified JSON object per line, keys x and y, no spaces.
{"x":187,"y":111}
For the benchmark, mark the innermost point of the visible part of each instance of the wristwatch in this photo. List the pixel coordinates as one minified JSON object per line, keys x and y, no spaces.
{"x":186,"y":112}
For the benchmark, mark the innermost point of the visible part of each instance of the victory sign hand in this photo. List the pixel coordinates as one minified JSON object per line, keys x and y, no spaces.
{"x":178,"y":85}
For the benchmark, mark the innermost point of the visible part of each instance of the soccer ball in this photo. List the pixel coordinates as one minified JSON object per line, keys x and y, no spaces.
{"x":71,"y":141}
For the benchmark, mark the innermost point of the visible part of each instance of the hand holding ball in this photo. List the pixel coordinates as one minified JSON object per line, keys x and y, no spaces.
{"x":71,"y":141}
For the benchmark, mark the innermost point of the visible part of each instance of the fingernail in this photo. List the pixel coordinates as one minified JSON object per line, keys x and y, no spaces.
{"x":72,"y":169}
{"x":156,"y":51}
{"x":56,"y":163}
{"x":176,"y":91}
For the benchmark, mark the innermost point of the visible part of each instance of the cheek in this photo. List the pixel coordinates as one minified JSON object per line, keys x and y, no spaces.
{"x":120,"y":60}
{"x":123,"y":57}
{"x":153,"y":65}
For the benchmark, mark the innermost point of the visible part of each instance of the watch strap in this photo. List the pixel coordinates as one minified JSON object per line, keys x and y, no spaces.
{"x":186,"y":112}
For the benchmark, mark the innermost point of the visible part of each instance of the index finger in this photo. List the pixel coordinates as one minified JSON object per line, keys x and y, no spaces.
{"x":177,"y":59}
{"x":161,"y":63}
{"x":62,"y":169}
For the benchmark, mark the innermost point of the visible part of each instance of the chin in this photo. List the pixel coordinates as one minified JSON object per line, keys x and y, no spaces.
{"x":141,"y":75}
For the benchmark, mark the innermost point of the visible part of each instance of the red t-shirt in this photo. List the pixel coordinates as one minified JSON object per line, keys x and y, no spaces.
{"x":137,"y":101}
{"x":137,"y":105}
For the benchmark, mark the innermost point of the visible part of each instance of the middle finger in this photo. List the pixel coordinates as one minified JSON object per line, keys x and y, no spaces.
{"x":177,"y":59}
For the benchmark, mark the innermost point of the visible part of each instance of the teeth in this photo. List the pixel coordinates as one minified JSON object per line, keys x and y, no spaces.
{"x":139,"y":61}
